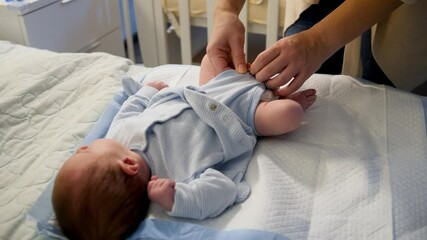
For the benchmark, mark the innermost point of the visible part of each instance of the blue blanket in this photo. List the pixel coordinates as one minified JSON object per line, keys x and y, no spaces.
{"x":161,"y":229}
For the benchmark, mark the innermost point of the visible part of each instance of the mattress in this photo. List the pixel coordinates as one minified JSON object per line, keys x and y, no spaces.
{"x":355,"y":169}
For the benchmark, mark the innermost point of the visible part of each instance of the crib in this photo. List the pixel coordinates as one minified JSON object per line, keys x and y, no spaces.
{"x":158,"y":20}
{"x":177,"y":31}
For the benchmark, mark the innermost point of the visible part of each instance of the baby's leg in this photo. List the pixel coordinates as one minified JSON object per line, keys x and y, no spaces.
{"x":207,"y":71}
{"x":283,"y":115}
{"x":306,"y":98}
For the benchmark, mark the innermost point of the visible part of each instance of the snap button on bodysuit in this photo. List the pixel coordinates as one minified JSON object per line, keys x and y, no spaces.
{"x":213,"y":107}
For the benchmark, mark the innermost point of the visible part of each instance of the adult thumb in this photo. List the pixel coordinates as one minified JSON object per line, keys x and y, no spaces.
{"x":239,"y":59}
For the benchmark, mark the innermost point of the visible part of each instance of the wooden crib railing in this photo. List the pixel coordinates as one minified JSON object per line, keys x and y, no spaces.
{"x":152,"y":29}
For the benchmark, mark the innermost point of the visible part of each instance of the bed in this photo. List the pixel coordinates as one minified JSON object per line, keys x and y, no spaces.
{"x":355,"y":169}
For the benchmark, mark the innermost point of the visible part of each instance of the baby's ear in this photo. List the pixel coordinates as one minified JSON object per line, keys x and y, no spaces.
{"x":129,"y":165}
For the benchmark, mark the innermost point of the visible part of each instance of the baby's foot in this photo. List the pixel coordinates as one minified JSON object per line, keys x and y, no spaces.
{"x":306,"y":97}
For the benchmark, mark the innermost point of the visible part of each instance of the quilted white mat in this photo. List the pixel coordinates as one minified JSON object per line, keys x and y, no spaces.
{"x":48,"y":103}
{"x":355,"y":169}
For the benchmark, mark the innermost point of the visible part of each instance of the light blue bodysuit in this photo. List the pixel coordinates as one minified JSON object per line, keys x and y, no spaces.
{"x":202,"y":137}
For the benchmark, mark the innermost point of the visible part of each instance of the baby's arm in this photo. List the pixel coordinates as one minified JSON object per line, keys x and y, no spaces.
{"x":137,"y":103}
{"x":162,"y":192}
{"x":207,"y":196}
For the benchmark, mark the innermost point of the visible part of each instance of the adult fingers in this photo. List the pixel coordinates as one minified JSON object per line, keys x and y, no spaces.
{"x":263,"y":60}
{"x":282,"y":78}
{"x":273,"y":72}
{"x":293,"y":86}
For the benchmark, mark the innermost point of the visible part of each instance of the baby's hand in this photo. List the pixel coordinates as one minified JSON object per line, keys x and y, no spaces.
{"x":159,"y":85}
{"x":162,"y":192}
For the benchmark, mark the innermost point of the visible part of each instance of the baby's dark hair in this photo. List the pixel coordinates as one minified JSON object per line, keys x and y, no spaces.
{"x":108,"y":205}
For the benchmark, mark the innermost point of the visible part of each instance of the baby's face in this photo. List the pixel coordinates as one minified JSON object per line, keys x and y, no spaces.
{"x":106,"y":150}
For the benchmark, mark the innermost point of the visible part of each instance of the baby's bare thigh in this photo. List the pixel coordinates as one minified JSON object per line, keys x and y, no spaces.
{"x":277,"y":117}
{"x":207,"y":71}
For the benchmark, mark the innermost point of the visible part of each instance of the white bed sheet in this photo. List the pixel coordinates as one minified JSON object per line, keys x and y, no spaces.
{"x":48,"y":103}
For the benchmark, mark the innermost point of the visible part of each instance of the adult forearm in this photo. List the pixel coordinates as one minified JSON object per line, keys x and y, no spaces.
{"x":226,"y":10}
{"x":225,"y":46}
{"x":351,"y":19}
{"x":231,"y":6}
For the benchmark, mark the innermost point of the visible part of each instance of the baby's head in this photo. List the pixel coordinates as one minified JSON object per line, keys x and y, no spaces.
{"x":101,"y":192}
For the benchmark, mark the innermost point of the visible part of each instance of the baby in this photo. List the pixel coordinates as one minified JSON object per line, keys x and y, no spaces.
{"x":184,"y":148}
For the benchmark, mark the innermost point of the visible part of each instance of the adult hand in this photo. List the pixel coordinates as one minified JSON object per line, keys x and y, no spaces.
{"x":295,"y":58}
{"x":225,"y":48}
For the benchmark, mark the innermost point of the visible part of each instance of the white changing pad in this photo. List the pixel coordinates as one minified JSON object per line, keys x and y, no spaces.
{"x":355,"y":169}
